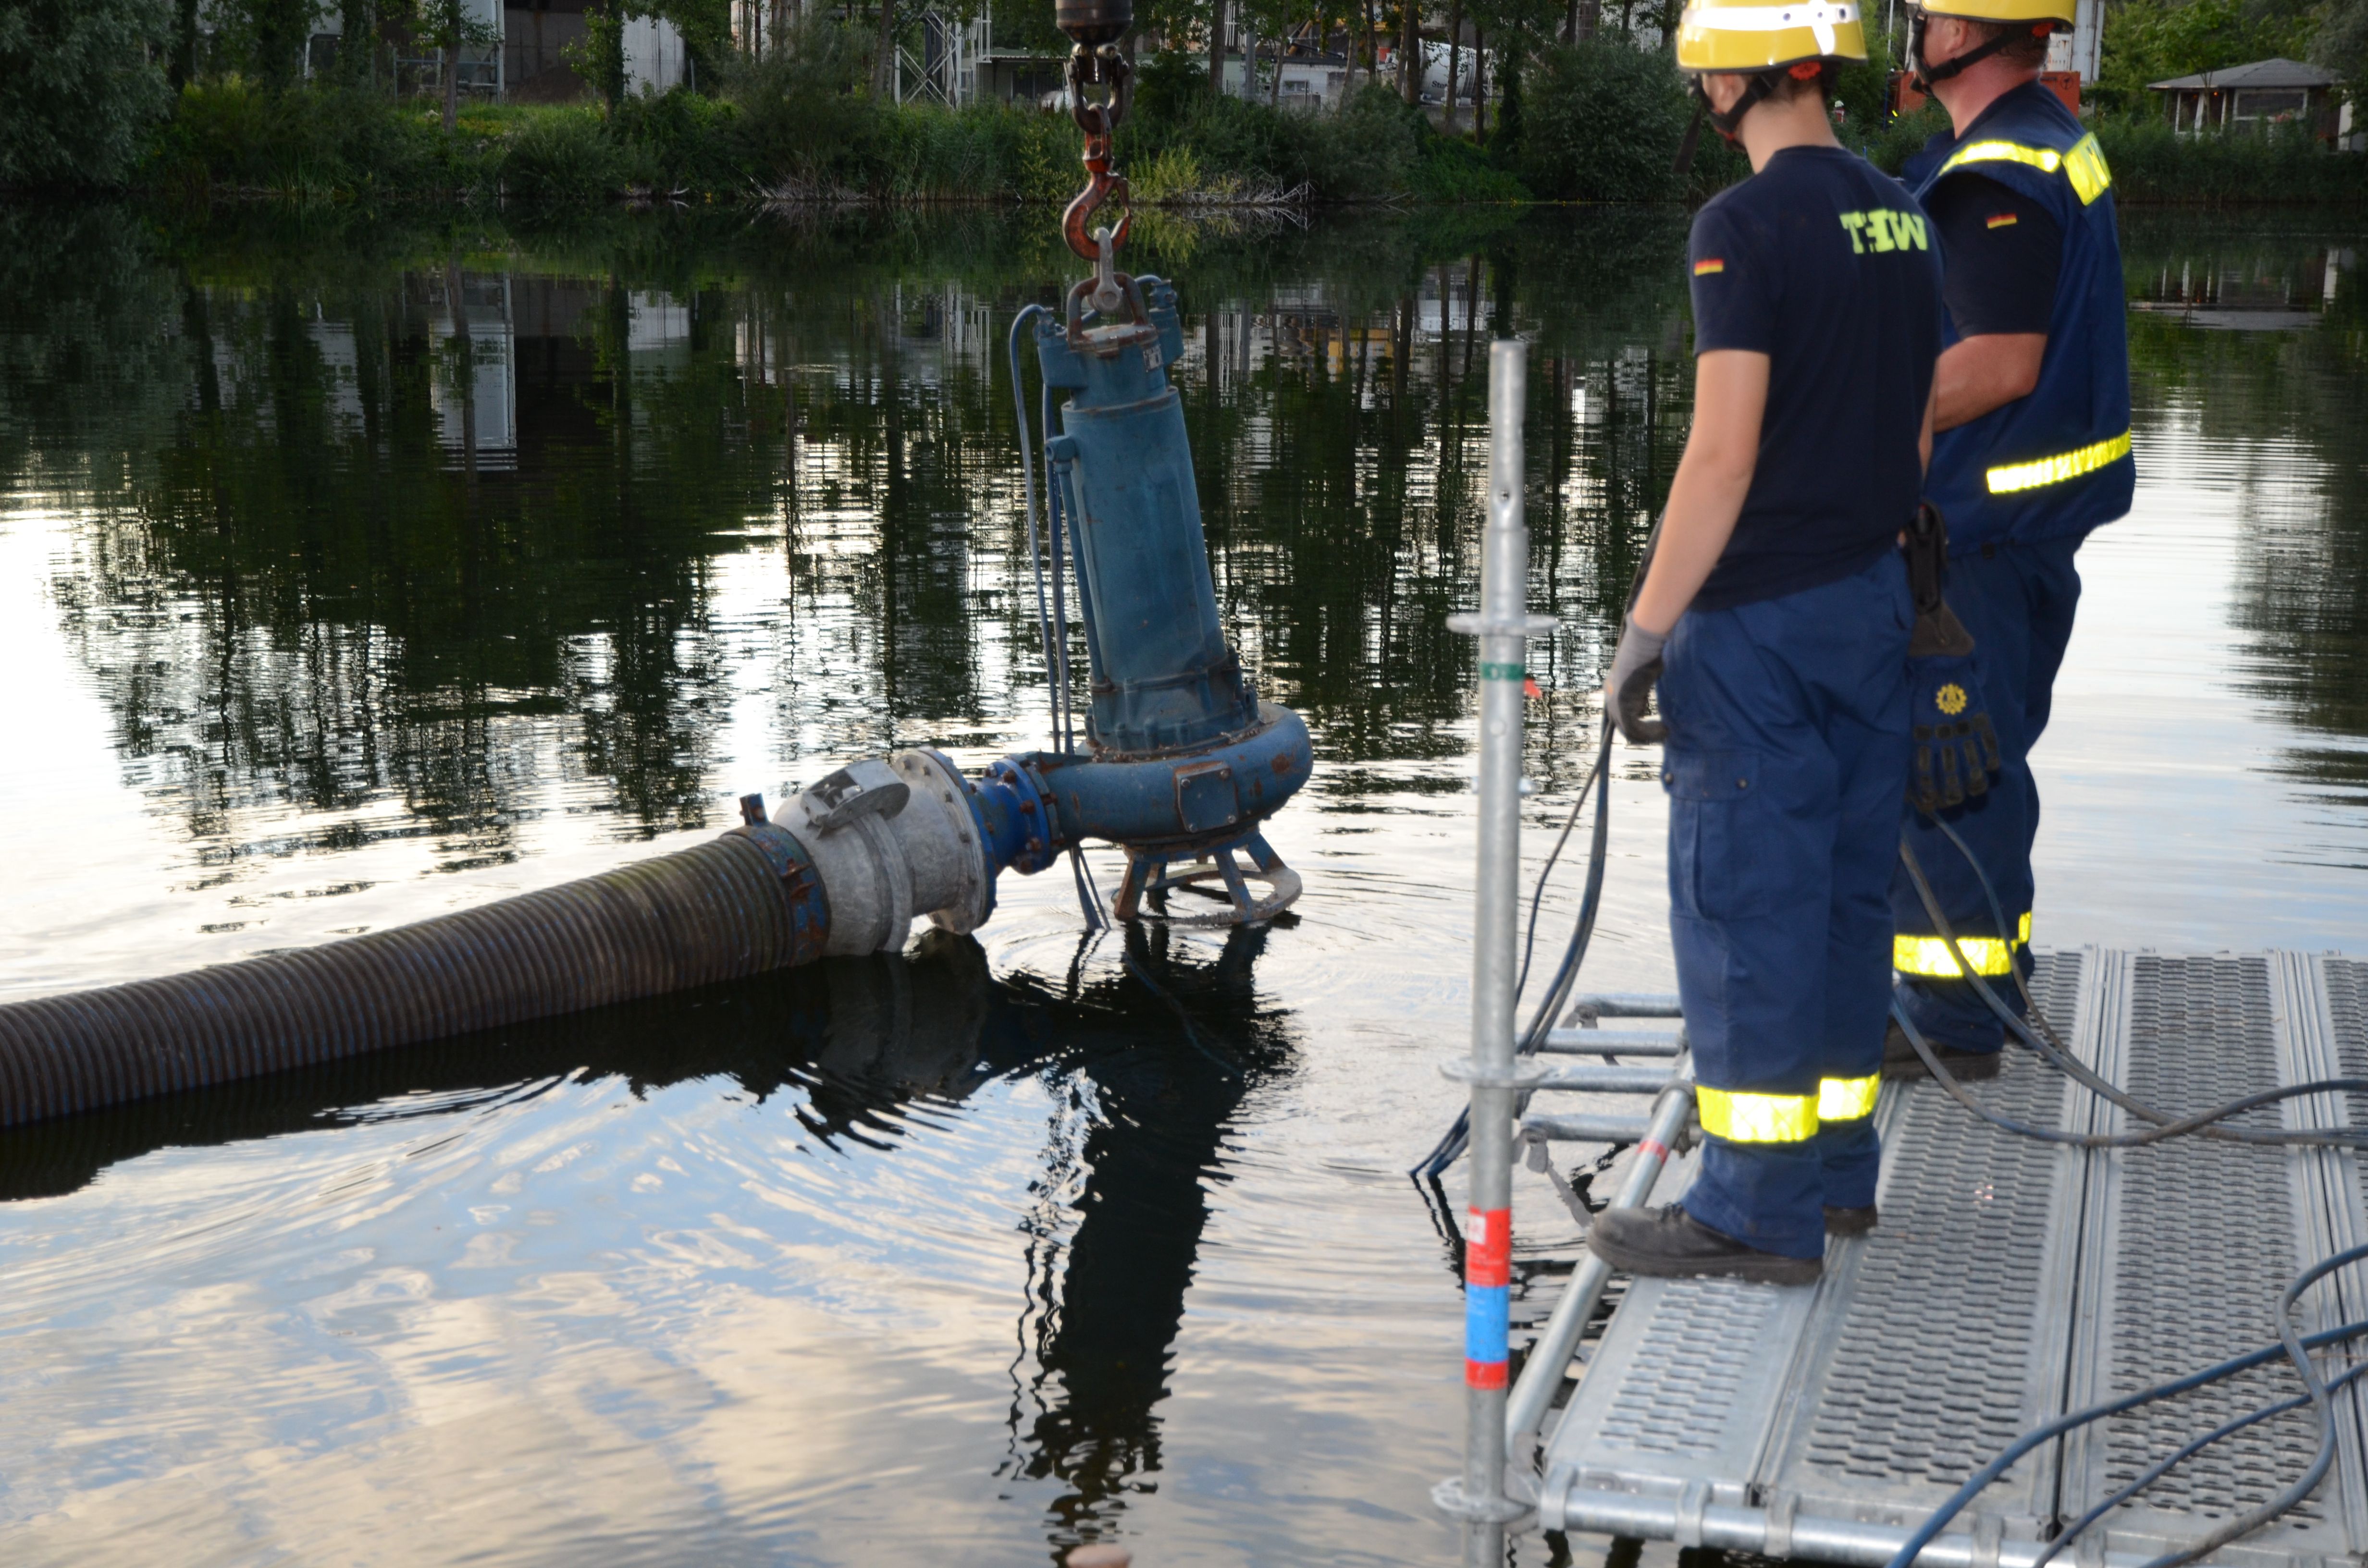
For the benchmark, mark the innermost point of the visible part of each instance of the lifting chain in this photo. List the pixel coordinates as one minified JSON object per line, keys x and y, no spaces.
{"x":1102,"y":66}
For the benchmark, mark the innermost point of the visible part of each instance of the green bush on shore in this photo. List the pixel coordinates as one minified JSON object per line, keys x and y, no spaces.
{"x":1604,"y":122}
{"x":1600,"y":122}
{"x":2152,"y":163}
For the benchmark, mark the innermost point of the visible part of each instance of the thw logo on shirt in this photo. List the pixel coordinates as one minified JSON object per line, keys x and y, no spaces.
{"x":1885,"y":229}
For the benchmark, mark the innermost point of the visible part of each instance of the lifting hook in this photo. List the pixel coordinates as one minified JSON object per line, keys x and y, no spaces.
{"x":1107,"y":67}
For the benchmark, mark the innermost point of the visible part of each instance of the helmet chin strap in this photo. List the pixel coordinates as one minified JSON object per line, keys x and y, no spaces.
{"x":1729,"y":122}
{"x":1927,"y":74}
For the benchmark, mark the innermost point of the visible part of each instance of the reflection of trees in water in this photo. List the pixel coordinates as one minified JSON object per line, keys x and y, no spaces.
{"x":2301,"y":584}
{"x":375,"y":544}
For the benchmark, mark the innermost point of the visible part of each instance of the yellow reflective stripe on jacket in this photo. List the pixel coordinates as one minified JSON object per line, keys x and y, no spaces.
{"x":1757,"y":1118}
{"x":2013,"y":477}
{"x":2084,"y":165}
{"x":1930,"y":956}
{"x":1846,"y":1099}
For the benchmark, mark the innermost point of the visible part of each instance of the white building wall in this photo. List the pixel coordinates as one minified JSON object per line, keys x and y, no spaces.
{"x":654,"y":60}
{"x":2082,"y":49}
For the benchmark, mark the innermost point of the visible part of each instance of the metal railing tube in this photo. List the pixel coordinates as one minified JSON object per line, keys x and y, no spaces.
{"x":1628,"y":1005}
{"x":1613,"y":1042}
{"x":1503,"y":628}
{"x":1695,"y":1521}
{"x":1591,"y":1078}
{"x":1563,"y":1126}
{"x":1550,"y":1356}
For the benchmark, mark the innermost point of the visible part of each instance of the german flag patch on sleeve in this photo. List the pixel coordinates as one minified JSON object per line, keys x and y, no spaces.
{"x":2003,"y":220}
{"x":1709,"y":265}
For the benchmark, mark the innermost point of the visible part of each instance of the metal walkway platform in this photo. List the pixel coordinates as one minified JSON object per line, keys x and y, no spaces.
{"x":2011,"y":1281}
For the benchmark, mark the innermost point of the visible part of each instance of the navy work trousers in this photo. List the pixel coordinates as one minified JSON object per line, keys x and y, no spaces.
{"x":1787,"y":759}
{"x":2018,"y":600}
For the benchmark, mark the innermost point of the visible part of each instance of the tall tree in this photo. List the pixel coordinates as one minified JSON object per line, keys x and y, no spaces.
{"x":266,"y":38}
{"x":183,"y":67}
{"x":80,"y":88}
{"x":2343,"y":46}
{"x":599,"y":56}
{"x":452,"y":26}
{"x":357,"y":42}
{"x":1454,"y":56}
{"x":1410,"y":50}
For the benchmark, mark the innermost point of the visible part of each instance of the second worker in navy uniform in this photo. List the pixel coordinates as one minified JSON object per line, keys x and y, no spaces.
{"x":2031,"y":452}
{"x":1775,"y":613}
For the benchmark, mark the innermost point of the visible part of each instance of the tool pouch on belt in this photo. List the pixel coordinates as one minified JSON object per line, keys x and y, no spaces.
{"x":1957,"y":745}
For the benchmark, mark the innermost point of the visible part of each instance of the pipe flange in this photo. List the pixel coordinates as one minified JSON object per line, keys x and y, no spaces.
{"x":938,"y":786}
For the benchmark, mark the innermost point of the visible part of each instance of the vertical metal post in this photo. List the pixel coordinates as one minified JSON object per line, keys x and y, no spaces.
{"x":1478,"y":1495}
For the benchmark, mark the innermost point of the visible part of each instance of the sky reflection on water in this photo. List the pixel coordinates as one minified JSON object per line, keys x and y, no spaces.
{"x":329,"y":603}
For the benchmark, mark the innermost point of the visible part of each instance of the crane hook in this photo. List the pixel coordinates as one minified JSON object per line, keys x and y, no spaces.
{"x":1099,"y":121}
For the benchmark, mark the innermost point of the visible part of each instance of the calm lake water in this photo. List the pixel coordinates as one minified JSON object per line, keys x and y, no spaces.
{"x":350,"y":576}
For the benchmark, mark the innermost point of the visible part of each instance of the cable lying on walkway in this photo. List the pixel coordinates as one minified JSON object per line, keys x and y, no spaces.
{"x":2053,"y":1050}
{"x":2293,"y":1347}
{"x":2042,"y":1041}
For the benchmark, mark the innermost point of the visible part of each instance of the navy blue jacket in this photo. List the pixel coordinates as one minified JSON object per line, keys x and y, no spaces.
{"x":2057,"y":461}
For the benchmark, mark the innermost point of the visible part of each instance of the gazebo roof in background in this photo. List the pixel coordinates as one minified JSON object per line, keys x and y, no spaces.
{"x":2259,"y":74}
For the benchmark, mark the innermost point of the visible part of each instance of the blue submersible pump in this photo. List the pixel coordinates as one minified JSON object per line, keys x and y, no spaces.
{"x":1179,"y":765}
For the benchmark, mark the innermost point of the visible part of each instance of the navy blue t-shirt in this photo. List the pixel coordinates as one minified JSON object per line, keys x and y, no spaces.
{"x":1828,"y":267}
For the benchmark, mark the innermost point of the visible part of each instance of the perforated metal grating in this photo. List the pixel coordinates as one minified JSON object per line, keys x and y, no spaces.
{"x":1907,"y":1392}
{"x":2218,"y":1221}
{"x":2010,"y":1280}
{"x":1681,"y":1392}
{"x":2347,"y":1006}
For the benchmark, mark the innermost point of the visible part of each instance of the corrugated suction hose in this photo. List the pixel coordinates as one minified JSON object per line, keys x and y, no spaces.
{"x":747,"y":902}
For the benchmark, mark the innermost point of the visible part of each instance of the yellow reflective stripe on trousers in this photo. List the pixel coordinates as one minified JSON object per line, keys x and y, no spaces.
{"x":2013,"y":477}
{"x":1757,"y":1118}
{"x":2084,"y":165}
{"x":1846,"y":1099}
{"x":1930,"y":956}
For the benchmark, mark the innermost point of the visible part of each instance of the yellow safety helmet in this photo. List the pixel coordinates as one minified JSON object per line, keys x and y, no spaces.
{"x":2004,"y":12}
{"x":2018,"y":19}
{"x":1745,"y":34}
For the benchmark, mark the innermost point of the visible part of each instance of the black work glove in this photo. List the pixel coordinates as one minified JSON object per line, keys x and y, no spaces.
{"x":1957,"y":745}
{"x":1635,"y":667}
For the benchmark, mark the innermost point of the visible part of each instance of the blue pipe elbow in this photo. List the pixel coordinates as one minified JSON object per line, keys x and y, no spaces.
{"x":1034,"y":807}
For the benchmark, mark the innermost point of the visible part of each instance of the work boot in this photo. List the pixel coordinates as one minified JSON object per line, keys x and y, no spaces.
{"x":1672,"y":1244}
{"x":1849,"y":1221}
{"x":1900,"y":1060}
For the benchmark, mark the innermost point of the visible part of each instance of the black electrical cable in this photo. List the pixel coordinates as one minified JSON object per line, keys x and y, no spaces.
{"x":2155,"y":1134}
{"x":1445,"y":1152}
{"x":2293,"y":1346}
{"x":2156,"y":1472}
{"x":2051,"y":1049}
{"x":1538,"y":893}
{"x":1451,"y":1144}
{"x":2060,"y":1056}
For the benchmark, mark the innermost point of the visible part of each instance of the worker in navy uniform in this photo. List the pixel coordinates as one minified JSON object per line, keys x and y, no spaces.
{"x":2031,"y":452}
{"x":1775,"y":614}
